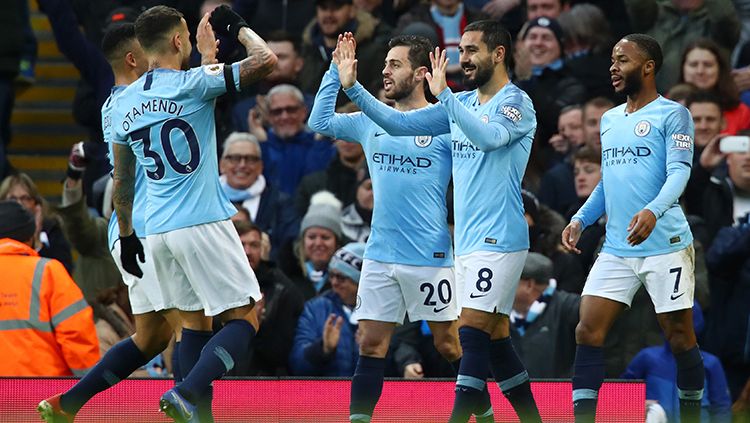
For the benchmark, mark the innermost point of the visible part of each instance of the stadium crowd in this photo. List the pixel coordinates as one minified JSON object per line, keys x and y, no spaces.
{"x":304,"y":200}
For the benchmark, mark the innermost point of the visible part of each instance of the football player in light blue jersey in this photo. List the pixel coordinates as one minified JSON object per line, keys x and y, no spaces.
{"x":164,"y":121}
{"x":491,"y":130}
{"x":153,"y":324}
{"x":647,"y":151}
{"x":409,"y":257}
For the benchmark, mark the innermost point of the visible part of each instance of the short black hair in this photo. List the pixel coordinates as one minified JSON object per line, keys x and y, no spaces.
{"x":649,"y":47}
{"x":280,"y":35}
{"x":494,"y":34}
{"x":419,"y":49}
{"x":116,"y":41}
{"x":703,"y":96}
{"x":153,"y":25}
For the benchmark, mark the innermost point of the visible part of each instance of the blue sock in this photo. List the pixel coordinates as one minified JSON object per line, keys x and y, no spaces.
{"x":513,"y":379}
{"x":472,"y":375}
{"x":191,"y":346}
{"x":691,"y":376}
{"x":484,"y":412}
{"x":367,"y":385}
{"x":117,"y":364}
{"x":226,"y":347}
{"x":587,"y":379}
{"x":176,"y":363}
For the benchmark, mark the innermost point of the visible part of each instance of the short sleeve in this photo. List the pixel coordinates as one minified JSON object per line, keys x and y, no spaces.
{"x":210,"y":81}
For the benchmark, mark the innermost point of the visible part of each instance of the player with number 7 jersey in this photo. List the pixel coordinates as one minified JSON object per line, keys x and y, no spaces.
{"x":165,"y":122}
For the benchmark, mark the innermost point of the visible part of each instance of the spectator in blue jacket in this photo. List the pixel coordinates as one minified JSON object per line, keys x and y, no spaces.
{"x":325,"y":343}
{"x":656,"y":365}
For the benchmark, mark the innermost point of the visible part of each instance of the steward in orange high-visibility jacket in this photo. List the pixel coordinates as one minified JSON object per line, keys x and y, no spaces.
{"x":46,"y":327}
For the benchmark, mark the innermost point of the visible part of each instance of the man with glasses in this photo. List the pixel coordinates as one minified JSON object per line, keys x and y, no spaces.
{"x":242,"y":180}
{"x":289,"y":149}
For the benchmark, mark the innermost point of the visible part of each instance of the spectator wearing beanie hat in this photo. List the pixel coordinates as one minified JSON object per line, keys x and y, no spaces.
{"x":51,"y":330}
{"x":319,"y":237}
{"x":324,"y":344}
{"x":551,"y":85}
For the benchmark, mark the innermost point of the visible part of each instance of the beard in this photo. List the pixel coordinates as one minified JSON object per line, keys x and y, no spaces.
{"x":633,"y":84}
{"x":482,"y":74}
{"x":401,"y":90}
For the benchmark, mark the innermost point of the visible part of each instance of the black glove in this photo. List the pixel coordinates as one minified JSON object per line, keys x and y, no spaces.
{"x":131,"y":251}
{"x":224,"y":20}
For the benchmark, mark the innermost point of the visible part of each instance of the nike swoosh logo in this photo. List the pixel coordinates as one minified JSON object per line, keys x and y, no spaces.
{"x":477,"y":296}
{"x":438,"y":310}
{"x":377,"y":134}
{"x":674,"y":297}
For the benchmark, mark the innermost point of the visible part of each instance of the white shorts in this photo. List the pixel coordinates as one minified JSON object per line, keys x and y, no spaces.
{"x":668,"y":278}
{"x":387,"y":291}
{"x":144,"y":293}
{"x":487,"y":280}
{"x":204,"y":267}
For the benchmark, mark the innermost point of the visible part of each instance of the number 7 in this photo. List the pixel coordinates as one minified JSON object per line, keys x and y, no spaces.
{"x":677,"y":270}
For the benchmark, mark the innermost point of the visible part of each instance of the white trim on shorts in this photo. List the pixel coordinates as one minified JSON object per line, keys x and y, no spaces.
{"x":668,"y":278}
{"x":388,"y":291}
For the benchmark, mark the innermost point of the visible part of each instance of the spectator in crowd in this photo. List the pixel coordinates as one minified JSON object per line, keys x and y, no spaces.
{"x":334,"y":17}
{"x":728,"y":191}
{"x":545,"y":225}
{"x":681,"y":92}
{"x":592,"y":117}
{"x":290,"y":151}
{"x":588,"y":44}
{"x":448,"y":18}
{"x":356,"y":218}
{"x":545,"y":8}
{"x":266,"y":16}
{"x":557,"y":189}
{"x":728,"y":262}
{"x":676,"y":23}
{"x":306,"y":260}
{"x":340,"y":177}
{"x":49,"y":239}
{"x":705,"y":108}
{"x":705,"y":66}
{"x":412,"y":353}
{"x":587,"y":168}
{"x":95,"y":269}
{"x":551,"y":86}
{"x":656,"y":365}
{"x":543,"y":321}
{"x":288,"y":67}
{"x":241,"y":168}
{"x":325,"y":343}
{"x":278,"y":311}
{"x":52,"y":331}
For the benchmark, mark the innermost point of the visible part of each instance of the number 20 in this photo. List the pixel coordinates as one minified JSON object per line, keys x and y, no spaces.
{"x":166,"y":144}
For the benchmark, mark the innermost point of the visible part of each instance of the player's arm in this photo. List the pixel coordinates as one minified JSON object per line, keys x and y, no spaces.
{"x":323,"y":118}
{"x":123,"y":186}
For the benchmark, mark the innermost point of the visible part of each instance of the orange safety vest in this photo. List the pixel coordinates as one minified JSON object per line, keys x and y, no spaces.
{"x":46,"y":327}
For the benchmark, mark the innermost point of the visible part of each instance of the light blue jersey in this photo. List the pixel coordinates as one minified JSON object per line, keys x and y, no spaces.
{"x":410,"y":177}
{"x":646,"y":159}
{"x":139,"y":202}
{"x":167,"y":118}
{"x":491,"y":144}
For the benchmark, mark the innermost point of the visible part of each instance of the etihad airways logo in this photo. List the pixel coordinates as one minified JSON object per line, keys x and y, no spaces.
{"x":624,"y":155}
{"x":399,"y":163}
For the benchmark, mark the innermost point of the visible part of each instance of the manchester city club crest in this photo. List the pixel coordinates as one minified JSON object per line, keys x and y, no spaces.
{"x":642,"y":128}
{"x":423,"y":140}
{"x":485,"y":119}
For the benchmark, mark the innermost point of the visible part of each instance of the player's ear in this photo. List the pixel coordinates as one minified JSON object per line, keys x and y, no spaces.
{"x":649,"y":67}
{"x":130,"y":59}
{"x":420,"y":72}
{"x":177,"y":41}
{"x":499,"y":54}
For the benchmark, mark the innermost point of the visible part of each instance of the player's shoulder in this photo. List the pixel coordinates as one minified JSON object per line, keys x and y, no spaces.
{"x":671,"y":108}
{"x":614,"y":112}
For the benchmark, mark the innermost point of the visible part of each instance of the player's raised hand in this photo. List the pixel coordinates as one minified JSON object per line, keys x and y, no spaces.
{"x":436,"y":78}
{"x":347,"y":60}
{"x":206,"y":42}
{"x":570,"y":236}
{"x":641,"y":226}
{"x":332,"y":333}
{"x":131,"y":252}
